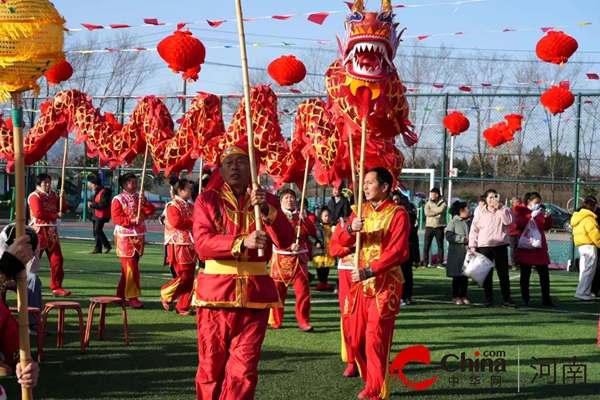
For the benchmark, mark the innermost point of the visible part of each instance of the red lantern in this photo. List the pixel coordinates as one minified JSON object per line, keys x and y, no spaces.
{"x":557,"y":99}
{"x":514,"y":122}
{"x":498,"y":134}
{"x":183,"y":52}
{"x":287,"y":70}
{"x":556,"y":47}
{"x":59,"y":73}
{"x":456,"y":123}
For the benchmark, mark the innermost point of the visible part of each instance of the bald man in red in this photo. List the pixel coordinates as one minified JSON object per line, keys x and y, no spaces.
{"x":234,"y":292}
{"x":374,"y":298}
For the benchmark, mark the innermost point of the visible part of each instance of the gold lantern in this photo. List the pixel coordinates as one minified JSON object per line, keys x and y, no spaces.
{"x":31,"y":42}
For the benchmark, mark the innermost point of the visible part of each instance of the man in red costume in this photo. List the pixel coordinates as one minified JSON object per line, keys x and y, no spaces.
{"x":44,"y":210}
{"x":346,"y":262}
{"x":180,"y":248}
{"x":290,"y":265}
{"x":130,"y":231}
{"x":375,"y":295}
{"x":234,"y":292}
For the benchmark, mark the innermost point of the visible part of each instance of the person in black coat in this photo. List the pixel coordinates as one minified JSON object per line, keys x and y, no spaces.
{"x":101,"y":214}
{"x":339,"y":207}
{"x":413,"y":245}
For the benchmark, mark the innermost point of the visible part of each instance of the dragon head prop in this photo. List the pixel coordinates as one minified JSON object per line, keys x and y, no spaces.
{"x":369,"y":46}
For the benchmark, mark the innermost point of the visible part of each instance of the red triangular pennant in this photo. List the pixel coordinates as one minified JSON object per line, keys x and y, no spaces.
{"x":437,"y":85}
{"x":423,"y":37}
{"x":593,"y":76}
{"x":318,"y":18}
{"x":564,"y":84}
{"x":464,"y":88}
{"x":119,"y":26}
{"x":282,"y":17}
{"x":547,"y":29}
{"x":214,"y":24}
{"x":91,"y":27}
{"x":152,"y":21}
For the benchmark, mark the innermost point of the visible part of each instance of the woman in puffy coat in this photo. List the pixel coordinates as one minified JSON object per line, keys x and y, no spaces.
{"x":586,"y":236}
{"x":533,"y":209}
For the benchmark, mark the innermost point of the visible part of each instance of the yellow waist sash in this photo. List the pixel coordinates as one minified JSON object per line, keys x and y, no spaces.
{"x":230,"y":267}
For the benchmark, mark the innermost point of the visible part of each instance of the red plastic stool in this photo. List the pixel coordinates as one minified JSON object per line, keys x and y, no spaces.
{"x":38,"y":326}
{"x":60,"y":331}
{"x":103,"y":301}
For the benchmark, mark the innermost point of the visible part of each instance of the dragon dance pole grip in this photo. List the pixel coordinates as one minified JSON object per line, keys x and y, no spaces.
{"x":62,"y":175}
{"x":363,"y":145}
{"x":305,"y":184}
{"x":142,"y":183}
{"x":353,"y":168}
{"x":24,"y":348}
{"x":246,"y":79}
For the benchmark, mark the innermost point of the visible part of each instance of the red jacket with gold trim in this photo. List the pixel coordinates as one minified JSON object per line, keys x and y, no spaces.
{"x":43,"y":210}
{"x":178,"y":232}
{"x":221,"y":222}
{"x":285,"y":263}
{"x":384,"y":248}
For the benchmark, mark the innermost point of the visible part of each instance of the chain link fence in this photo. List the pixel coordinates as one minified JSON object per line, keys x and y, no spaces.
{"x":554,"y":155}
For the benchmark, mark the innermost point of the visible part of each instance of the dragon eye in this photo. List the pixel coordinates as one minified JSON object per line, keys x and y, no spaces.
{"x":386,"y":16}
{"x":355,"y":17}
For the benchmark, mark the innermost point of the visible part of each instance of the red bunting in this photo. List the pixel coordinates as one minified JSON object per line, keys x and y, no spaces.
{"x":140,"y":48}
{"x":249,"y":19}
{"x":565,"y":85}
{"x":509,"y":30}
{"x":398,"y":6}
{"x":412,"y":89}
{"x":295,"y":91}
{"x":588,"y":102}
{"x":423,"y":37}
{"x":91,"y":27}
{"x":458,"y":33}
{"x":593,"y":76}
{"x":111,"y":50}
{"x":464,"y":88}
{"x":547,"y":29}
{"x":214,"y":24}
{"x":119,"y":26}
{"x":486,"y":84}
{"x":318,"y":18}
{"x":152,"y":21}
{"x":282,"y":17}
{"x":438,"y":86}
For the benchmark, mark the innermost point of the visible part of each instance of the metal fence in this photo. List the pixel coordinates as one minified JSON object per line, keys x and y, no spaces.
{"x":554,"y":155}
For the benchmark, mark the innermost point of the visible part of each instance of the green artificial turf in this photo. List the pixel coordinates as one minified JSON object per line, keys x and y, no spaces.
{"x":161,"y":361}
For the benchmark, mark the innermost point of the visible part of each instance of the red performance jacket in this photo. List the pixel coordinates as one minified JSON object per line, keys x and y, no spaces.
{"x":384,"y":249}
{"x":232,"y":277}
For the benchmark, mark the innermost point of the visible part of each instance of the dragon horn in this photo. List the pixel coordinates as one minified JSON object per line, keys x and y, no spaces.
{"x":358,"y":6}
{"x":386,"y":5}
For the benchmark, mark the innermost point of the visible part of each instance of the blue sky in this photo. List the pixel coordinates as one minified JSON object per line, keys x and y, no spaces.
{"x":470,"y":17}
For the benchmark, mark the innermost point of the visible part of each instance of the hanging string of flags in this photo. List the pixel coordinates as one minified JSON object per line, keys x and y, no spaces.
{"x":314,"y":17}
{"x":324,"y":42}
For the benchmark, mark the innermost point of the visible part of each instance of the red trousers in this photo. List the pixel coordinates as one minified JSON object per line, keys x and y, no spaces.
{"x":229,"y":343}
{"x":302,"y":291}
{"x":345,"y":282}
{"x":370,"y":337}
{"x":180,"y":287}
{"x":129,"y":285}
{"x":9,"y":336}
{"x":56,"y":266}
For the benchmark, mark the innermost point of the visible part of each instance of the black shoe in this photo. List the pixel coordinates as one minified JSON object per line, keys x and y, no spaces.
{"x":549,"y":303}
{"x":526,"y":303}
{"x":509,"y":304}
{"x":489,"y":303}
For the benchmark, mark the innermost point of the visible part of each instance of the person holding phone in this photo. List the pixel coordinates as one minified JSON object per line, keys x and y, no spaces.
{"x":489,"y":236}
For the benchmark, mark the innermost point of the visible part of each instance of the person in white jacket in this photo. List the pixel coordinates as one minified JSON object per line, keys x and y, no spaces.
{"x":34,"y":284}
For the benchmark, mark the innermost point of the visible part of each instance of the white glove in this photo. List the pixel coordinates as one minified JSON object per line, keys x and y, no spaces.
{"x":536,"y":213}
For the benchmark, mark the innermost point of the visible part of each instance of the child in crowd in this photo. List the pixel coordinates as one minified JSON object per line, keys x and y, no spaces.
{"x":457,"y":234}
